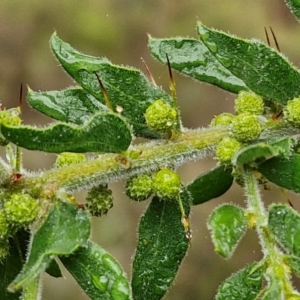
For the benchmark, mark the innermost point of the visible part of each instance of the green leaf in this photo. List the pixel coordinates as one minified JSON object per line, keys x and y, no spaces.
{"x":105,"y":132}
{"x":244,"y":285}
{"x":294,"y":5}
{"x":98,"y":273}
{"x":53,"y":269}
{"x":65,"y":229}
{"x":263,"y":151}
{"x":191,"y":57}
{"x":294,"y":263}
{"x":126,"y":87}
{"x":12,"y":264}
{"x":284,"y":172}
{"x":274,"y":290}
{"x":73,"y":105}
{"x":284,"y":223}
{"x":211,"y":184}
{"x":227,"y":224}
{"x":259,"y":66}
{"x":161,"y":247}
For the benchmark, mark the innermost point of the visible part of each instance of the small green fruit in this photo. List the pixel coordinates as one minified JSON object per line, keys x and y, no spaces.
{"x":222,"y":120}
{"x":245,"y":127}
{"x":99,"y":200}
{"x":160,"y":116}
{"x":139,"y":188}
{"x":21,"y":209}
{"x":249,"y":102}
{"x":226,"y":149}
{"x":166,"y":184}
{"x":292,"y":112}
{"x":68,"y":158}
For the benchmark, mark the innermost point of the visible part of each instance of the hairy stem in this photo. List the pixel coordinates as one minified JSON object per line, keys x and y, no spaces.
{"x":189,"y":145}
{"x":32,"y":291}
{"x":277,"y":272}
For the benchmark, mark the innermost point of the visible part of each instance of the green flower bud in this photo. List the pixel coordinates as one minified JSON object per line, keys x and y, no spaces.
{"x":166,"y":184}
{"x":69,"y":158}
{"x":222,"y":120}
{"x":4,"y":248}
{"x":245,"y":127}
{"x":99,"y":200}
{"x":160,"y":116}
{"x":139,"y":188}
{"x":4,"y":226}
{"x":249,"y":102}
{"x":292,"y":112}
{"x":226,"y":149}
{"x":21,"y":209}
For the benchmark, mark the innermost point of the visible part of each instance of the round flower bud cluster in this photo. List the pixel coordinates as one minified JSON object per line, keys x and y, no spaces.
{"x":245,"y":127}
{"x":226,"y":150}
{"x":68,"y":158}
{"x":222,"y":120}
{"x":139,"y":188}
{"x":166,"y":184}
{"x":249,"y":102}
{"x":99,"y":200}
{"x":292,"y":112}
{"x":160,"y":116}
{"x":21,"y":209}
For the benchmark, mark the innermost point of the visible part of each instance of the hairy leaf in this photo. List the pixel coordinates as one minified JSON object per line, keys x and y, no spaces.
{"x":191,"y":57}
{"x":294,"y":263}
{"x":126,"y":87}
{"x":263,"y":151}
{"x":263,"y":69}
{"x":244,"y":285}
{"x":74,"y":105}
{"x":65,"y":229}
{"x":12,"y":264}
{"x":105,"y":132}
{"x":294,"y":5}
{"x":161,"y":247}
{"x":284,"y":223}
{"x":283,"y":171}
{"x":98,"y":273}
{"x":227,"y":224}
{"x":211,"y":184}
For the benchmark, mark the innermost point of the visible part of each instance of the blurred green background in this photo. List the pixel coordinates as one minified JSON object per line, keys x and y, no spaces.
{"x":118,"y":30}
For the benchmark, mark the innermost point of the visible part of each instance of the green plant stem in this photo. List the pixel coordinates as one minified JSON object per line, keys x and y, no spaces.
{"x":32,"y":291}
{"x":277,"y":271}
{"x":190,"y":145}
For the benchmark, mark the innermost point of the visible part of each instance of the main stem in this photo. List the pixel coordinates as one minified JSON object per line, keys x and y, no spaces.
{"x":189,"y":145}
{"x":277,"y":271}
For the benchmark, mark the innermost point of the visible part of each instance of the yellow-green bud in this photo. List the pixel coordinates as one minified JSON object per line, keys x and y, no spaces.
{"x":222,"y":120}
{"x":292,"y":112}
{"x":245,"y":127}
{"x":226,"y":149}
{"x":160,"y":116}
{"x":139,"y":188}
{"x":99,"y":200}
{"x":4,"y":227}
{"x":69,"y":158}
{"x":249,"y":102}
{"x":166,"y":184}
{"x":21,"y":209}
